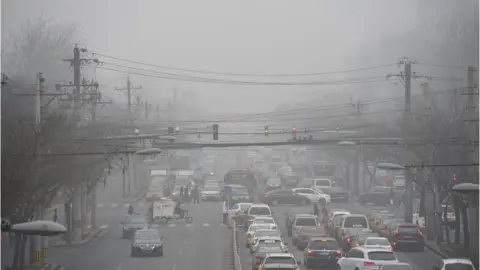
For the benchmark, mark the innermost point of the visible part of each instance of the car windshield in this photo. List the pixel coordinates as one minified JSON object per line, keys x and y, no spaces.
{"x":322,"y":182}
{"x":266,"y":233}
{"x":355,"y":222}
{"x":306,"y":222}
{"x":377,"y":241}
{"x":381,"y":256}
{"x":280,"y":260}
{"x":260,"y":211}
{"x":324,"y":244}
{"x":147,"y":235}
{"x":458,"y":266}
{"x":136,"y":220}
{"x":270,"y":249}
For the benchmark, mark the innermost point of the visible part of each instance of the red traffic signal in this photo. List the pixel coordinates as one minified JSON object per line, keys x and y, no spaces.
{"x":294,"y":130}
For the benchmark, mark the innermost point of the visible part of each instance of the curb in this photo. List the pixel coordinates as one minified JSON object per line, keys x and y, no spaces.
{"x":83,"y":242}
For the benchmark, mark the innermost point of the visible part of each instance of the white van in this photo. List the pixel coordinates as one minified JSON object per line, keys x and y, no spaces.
{"x":320,"y":183}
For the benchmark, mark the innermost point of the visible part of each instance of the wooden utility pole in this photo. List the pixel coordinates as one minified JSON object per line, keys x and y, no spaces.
{"x":129,"y":91}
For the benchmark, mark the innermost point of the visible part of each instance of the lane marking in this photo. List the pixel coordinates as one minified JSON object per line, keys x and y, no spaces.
{"x":171,"y":225}
{"x":100,"y":205}
{"x":103,"y":227}
{"x":206,"y":225}
{"x":119,"y":267}
{"x":114,"y":204}
{"x":189,"y":225}
{"x":126,"y":205}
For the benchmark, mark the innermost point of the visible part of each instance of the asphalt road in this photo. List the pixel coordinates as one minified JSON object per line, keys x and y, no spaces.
{"x":418,"y":260}
{"x":204,"y":244}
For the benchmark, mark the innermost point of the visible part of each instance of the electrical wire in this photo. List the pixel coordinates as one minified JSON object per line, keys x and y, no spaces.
{"x":244,"y":74}
{"x":441,"y":65}
{"x":251,"y":83}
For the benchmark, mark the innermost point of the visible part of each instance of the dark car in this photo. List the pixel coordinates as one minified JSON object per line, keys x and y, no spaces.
{"x":273,"y":184}
{"x":131,"y":223}
{"x":337,"y":194}
{"x":406,"y":234}
{"x":305,"y":234}
{"x":379,"y":195}
{"x":290,"y":179}
{"x":321,"y":252}
{"x":284,"y":196}
{"x":147,"y":242}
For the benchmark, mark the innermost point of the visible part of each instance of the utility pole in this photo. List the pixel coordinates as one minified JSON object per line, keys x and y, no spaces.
{"x":130,"y":92}
{"x":40,"y":241}
{"x":406,"y":77}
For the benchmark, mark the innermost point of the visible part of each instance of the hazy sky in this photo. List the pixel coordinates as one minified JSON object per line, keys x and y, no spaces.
{"x":242,"y":36}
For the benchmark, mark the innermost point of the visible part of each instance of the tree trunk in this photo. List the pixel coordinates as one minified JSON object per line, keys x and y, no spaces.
{"x":466,"y":239}
{"x":446,"y":227}
{"x":456,"y":205}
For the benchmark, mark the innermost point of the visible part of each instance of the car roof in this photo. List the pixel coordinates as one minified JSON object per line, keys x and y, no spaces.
{"x":262,"y":217}
{"x":457,"y":260}
{"x":285,"y":255}
{"x":356,"y":215}
{"x":269,"y":238}
{"x":368,"y":250}
{"x":304,"y":216}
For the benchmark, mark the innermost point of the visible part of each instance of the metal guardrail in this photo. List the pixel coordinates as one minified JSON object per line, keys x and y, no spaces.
{"x":236,"y":256}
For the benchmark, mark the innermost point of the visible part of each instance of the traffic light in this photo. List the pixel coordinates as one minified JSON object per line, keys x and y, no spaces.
{"x":266,"y":131}
{"x":294,"y":132}
{"x":170,"y":130}
{"x":215,"y":131}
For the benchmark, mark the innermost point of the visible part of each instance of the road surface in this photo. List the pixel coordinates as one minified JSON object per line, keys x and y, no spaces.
{"x":204,"y":244}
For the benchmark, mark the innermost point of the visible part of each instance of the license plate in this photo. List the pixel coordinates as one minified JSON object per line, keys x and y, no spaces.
{"x":324,"y":253}
{"x":408,"y":237}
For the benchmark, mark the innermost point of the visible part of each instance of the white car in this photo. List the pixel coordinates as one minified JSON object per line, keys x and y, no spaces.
{"x":254,"y":227}
{"x":280,"y":261}
{"x":313,"y":195}
{"x":454,"y":264}
{"x":264,"y":220}
{"x":237,"y":209}
{"x":366,"y":258}
{"x":377,"y":242}
{"x":264,"y":234}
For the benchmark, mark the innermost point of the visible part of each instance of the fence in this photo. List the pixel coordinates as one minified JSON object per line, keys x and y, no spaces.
{"x":235,"y":248}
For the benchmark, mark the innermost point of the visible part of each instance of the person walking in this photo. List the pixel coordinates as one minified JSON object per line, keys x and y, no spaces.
{"x":224,"y":212}
{"x":195,"y":193}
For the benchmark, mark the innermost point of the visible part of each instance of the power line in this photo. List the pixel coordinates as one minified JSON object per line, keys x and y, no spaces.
{"x":252,"y":83}
{"x":441,"y":65}
{"x":246,"y":74}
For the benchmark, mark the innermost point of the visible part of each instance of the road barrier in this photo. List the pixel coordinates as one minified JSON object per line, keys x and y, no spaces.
{"x":236,"y":255}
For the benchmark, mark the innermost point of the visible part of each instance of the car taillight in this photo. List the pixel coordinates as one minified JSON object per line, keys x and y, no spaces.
{"x":348,"y":239}
{"x":309,"y":251}
{"x":339,"y":252}
{"x":420,"y":233}
{"x":390,"y":249}
{"x":254,"y":242}
{"x":395,"y":233}
{"x":368,"y":264}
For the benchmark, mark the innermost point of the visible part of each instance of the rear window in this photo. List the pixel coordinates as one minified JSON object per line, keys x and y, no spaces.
{"x":266,"y":233}
{"x":324,"y":244}
{"x":260,"y":211}
{"x":270,"y":249}
{"x":381,"y":256}
{"x":378,"y":241}
{"x":355,"y":222}
{"x":458,"y":266}
{"x":280,"y":260}
{"x":322,"y":182}
{"x":264,"y":221}
{"x":306,"y":222}
{"x":408,"y":229}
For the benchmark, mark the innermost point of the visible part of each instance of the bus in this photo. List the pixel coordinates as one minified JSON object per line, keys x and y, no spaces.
{"x":297,"y":159}
{"x":241,"y":177}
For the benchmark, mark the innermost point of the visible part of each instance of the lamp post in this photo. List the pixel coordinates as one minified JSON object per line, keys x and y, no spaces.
{"x":355,"y":179}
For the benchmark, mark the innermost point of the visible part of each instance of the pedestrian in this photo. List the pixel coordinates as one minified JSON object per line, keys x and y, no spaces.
{"x":195,"y":193}
{"x":55,"y":215}
{"x":392,"y":196}
{"x":224,"y":212}
{"x":181,"y":192}
{"x":187,"y":194}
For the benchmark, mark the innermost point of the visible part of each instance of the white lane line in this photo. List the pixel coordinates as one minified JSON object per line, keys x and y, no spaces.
{"x":100,"y":205}
{"x":189,"y":225}
{"x":171,"y":225}
{"x":114,"y":204}
{"x":206,"y":225}
{"x":126,"y":205}
{"x":119,"y":267}
{"x":103,"y":227}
